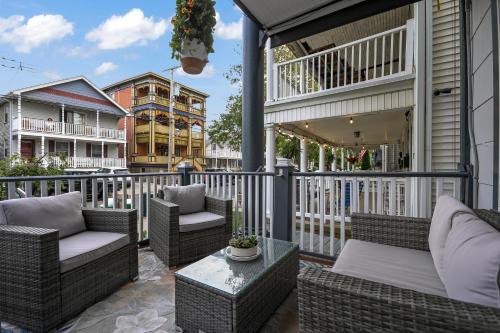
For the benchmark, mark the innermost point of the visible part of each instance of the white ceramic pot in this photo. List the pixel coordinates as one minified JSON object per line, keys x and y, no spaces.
{"x":194,"y":56}
{"x":243,"y":252}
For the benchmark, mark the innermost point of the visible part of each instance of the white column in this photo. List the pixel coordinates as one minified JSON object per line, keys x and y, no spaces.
{"x":270,"y":162}
{"x":19,"y":121}
{"x":98,"y":124}
{"x":321,"y":157}
{"x":334,"y":162}
{"x":74,"y":153}
{"x":62,"y":119}
{"x":42,"y":151}
{"x":269,"y":71}
{"x":303,"y":155}
{"x":342,"y":159}
{"x":125,"y":150}
{"x":102,"y":154}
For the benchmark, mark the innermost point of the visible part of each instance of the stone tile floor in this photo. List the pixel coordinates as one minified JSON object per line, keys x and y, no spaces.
{"x":148,"y":306}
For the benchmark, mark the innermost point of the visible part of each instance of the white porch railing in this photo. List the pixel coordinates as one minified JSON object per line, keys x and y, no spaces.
{"x":326,"y":202}
{"x":56,"y":127}
{"x":111,"y":133}
{"x":39,"y":125}
{"x":376,"y":57}
{"x":91,"y":162}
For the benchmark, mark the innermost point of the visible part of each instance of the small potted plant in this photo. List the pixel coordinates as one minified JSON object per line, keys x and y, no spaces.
{"x":245,"y":246}
{"x":192,"y":38}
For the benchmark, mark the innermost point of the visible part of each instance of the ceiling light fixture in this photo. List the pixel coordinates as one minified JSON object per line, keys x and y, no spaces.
{"x":351,"y":121}
{"x":307,"y":125}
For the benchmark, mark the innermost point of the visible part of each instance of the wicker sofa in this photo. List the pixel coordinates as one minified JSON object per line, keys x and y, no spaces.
{"x":46,"y":280}
{"x":334,"y":302}
{"x":176,"y":242}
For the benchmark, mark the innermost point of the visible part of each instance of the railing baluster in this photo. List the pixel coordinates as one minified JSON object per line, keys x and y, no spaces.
{"x":366,"y":193}
{"x":293,"y":205}
{"x":407,"y":196}
{"x":352,"y":65}
{"x":236,"y":204}
{"x":400,"y":50}
{"x":439,"y":187}
{"x":303,"y":198}
{"x":105,"y":190}
{"x":383,"y":57}
{"x":83,"y":187}
{"x":359,"y":62}
{"x":28,"y":188}
{"x":271,"y":217}
{"x":456,"y":188}
{"x":218,"y":185}
{"x":155,"y":186}
{"x":338,"y":68}
{"x":392,"y":54}
{"x":94,"y":193}
{"x":367,"y":66}
{"x":392,"y":196}
{"x":11,"y":188}
{"x":250,"y":205}
{"x":57,"y":187}
{"x":375,"y":59}
{"x":132,"y":192}
{"x":257,"y":204}
{"x":380,"y":195}
{"x":342,"y":212}
{"x":243,"y":203}
{"x":332,"y":217}
{"x":321,"y":213}
{"x":264,"y":201}
{"x":230,"y":187}
{"x":115,"y":193}
{"x":224,"y":186}
{"x":124,"y":192}
{"x":345,"y":67}
{"x":311,"y":214}
{"x":141,"y":210}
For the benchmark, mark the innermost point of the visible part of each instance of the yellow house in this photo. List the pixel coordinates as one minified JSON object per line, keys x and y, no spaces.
{"x":147,"y":98}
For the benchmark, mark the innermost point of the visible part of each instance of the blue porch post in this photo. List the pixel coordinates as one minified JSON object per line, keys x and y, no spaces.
{"x":253,"y":104}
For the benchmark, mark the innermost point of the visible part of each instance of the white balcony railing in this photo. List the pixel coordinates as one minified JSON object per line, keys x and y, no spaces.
{"x":111,"y":133}
{"x":379,"y":56}
{"x":91,"y":162}
{"x":55,"y":127}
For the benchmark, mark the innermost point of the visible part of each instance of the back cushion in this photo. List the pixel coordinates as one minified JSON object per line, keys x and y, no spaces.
{"x":62,"y":212}
{"x":191,"y":198}
{"x":446,"y":207}
{"x":472,"y":261}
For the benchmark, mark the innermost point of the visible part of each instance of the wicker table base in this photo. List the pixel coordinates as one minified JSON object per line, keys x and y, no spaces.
{"x":217,"y":294}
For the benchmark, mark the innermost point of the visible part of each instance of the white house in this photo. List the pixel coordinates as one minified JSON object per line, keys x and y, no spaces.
{"x":389,"y":80}
{"x":224,"y":157}
{"x":71,"y":117}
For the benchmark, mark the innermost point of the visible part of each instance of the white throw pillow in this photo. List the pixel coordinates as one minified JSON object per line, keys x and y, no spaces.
{"x":446,"y":207}
{"x":472,"y":261}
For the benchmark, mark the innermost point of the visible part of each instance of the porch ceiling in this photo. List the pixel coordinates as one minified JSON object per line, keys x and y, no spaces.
{"x":375,"y":129}
{"x":350,"y":32}
{"x":289,"y":20}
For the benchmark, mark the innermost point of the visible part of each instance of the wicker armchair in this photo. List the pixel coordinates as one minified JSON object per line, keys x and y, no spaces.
{"x":35,"y":295}
{"x":331,"y":302}
{"x":174,"y":247}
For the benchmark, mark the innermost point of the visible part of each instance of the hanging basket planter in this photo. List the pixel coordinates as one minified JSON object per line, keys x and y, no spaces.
{"x":192,"y":38}
{"x":194,"y":56}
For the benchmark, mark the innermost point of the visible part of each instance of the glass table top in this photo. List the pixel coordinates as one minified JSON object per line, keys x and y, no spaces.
{"x":232,"y":277}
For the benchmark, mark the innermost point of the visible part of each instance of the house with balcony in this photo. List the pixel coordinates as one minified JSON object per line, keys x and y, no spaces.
{"x":147,"y":98}
{"x":221,"y":157}
{"x":389,"y":82}
{"x":70,"y":119}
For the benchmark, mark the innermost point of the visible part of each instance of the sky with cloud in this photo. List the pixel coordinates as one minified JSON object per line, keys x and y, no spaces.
{"x":108,"y":41}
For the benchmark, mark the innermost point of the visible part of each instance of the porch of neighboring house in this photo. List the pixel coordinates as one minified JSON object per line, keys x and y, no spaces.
{"x":61,"y":151}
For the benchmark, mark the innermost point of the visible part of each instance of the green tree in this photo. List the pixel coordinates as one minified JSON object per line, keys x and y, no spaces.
{"x":365,"y":162}
{"x":17,"y":166}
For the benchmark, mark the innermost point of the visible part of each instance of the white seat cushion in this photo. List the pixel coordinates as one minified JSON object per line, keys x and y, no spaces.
{"x":87,"y":246}
{"x":199,"y":221}
{"x":396,"y":266}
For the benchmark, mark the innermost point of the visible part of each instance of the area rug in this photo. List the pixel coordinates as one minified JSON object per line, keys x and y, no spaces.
{"x":148,"y":306}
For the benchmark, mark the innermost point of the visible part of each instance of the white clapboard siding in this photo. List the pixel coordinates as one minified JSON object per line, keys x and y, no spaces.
{"x":393,"y":96}
{"x":445,"y":74}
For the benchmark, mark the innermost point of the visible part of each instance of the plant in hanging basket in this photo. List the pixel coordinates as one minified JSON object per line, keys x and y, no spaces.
{"x":351,"y":159}
{"x":192,"y":38}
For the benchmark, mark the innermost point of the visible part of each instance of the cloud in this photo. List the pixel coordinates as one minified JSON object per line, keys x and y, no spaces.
{"x":82,"y":51}
{"x":52,"y":75}
{"x":104,"y":68}
{"x":232,"y":30}
{"x":123,"y":31}
{"x":208,"y":71}
{"x":37,"y":31}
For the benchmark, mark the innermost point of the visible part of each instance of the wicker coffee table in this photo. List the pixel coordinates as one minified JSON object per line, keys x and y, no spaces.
{"x":217,"y":294}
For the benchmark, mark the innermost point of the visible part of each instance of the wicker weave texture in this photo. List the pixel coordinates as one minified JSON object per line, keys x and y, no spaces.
{"x":33,"y":293}
{"x":174,"y":247}
{"x":200,"y":308}
{"x":330,"y":302}
{"x":400,"y":231}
